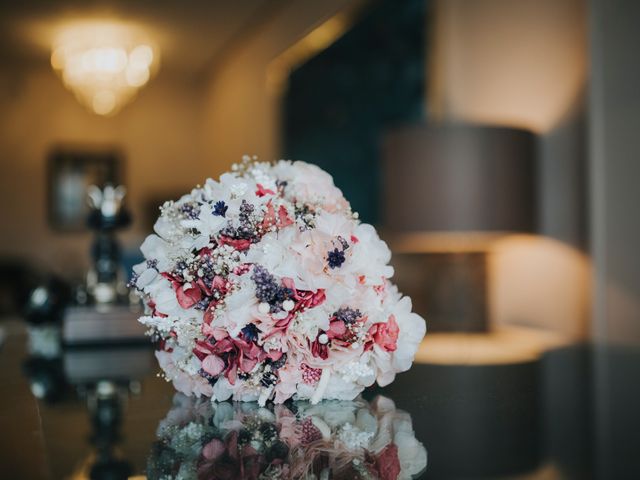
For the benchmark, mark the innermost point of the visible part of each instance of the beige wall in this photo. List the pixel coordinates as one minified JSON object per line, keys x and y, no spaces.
{"x":505,"y":62}
{"x":158,"y":133}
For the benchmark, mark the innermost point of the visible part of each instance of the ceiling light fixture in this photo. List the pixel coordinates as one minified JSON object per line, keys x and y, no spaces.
{"x":104,"y":65}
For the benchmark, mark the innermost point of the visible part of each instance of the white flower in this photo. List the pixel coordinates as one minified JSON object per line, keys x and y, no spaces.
{"x":310,"y":184}
{"x":183,"y":382}
{"x":411,"y":453}
{"x":334,"y":224}
{"x":261,"y":173}
{"x":353,"y":438}
{"x":337,"y":414}
{"x":412,"y":331}
{"x":157,"y":249}
{"x":309,"y":322}
{"x":164,"y":297}
{"x":145,"y":275}
{"x":274,"y":253}
{"x":237,"y":189}
{"x":241,"y":307}
{"x":358,"y":371}
{"x":370,"y":255}
{"x":161,"y":324}
{"x":340,"y":389}
{"x":207,"y":223}
{"x":222,"y":390}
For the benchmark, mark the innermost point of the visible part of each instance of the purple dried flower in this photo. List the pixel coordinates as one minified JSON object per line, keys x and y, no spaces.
{"x":268,"y":289}
{"x":202,"y":304}
{"x":220,"y":209}
{"x":348,"y":315}
{"x":335,"y":258}
{"x":246,"y":229}
{"x":190,"y":210}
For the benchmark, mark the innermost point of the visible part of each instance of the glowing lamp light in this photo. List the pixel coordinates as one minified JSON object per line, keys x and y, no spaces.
{"x":104,"y":65}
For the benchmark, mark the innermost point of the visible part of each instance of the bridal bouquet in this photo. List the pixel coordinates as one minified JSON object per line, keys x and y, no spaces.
{"x":336,"y":439}
{"x":266,"y":286}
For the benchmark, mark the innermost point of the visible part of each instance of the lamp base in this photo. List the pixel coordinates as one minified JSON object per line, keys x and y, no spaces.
{"x":449,"y":289}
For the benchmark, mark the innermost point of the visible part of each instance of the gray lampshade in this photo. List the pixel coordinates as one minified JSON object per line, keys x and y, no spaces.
{"x":459,"y":179}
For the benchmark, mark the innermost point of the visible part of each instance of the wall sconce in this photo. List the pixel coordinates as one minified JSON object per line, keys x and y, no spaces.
{"x":104,"y":65}
{"x":450,"y":190}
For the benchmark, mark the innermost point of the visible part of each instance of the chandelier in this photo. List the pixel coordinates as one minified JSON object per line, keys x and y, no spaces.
{"x":104,"y":65}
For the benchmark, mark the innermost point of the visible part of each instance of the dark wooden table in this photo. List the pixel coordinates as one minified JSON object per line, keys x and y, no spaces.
{"x":532,"y":419}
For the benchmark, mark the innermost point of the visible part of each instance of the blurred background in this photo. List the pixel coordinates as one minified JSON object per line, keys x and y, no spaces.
{"x":493,"y":143}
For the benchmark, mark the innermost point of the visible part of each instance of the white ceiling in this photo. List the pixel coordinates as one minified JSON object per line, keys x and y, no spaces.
{"x":190,"y":33}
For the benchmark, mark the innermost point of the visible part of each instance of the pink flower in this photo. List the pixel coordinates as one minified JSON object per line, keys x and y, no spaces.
{"x":239,"y":244}
{"x":303,"y":299}
{"x":319,"y":349}
{"x":270,"y":219}
{"x":213,"y":449}
{"x":385,"y":334}
{"x":388,"y":462}
{"x":284,"y":220}
{"x":261,"y":191}
{"x":213,"y":365}
{"x":187,"y":294}
{"x":289,"y":376}
{"x":237,"y":353}
{"x":242,"y":269}
{"x":337,"y":329}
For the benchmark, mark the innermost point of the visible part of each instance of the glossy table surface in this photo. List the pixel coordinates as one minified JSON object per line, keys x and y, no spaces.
{"x":570,"y":412}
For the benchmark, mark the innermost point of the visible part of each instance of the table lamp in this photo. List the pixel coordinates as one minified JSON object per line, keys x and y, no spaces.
{"x":448,"y":191}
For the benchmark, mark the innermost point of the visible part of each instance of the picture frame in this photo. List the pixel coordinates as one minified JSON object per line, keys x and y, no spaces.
{"x":70,"y":171}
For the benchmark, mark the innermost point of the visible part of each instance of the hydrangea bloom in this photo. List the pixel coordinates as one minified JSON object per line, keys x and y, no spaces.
{"x":266,"y":286}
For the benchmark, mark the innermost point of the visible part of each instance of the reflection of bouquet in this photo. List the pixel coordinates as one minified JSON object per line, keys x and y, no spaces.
{"x":334,"y":439}
{"x":265,"y":285}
